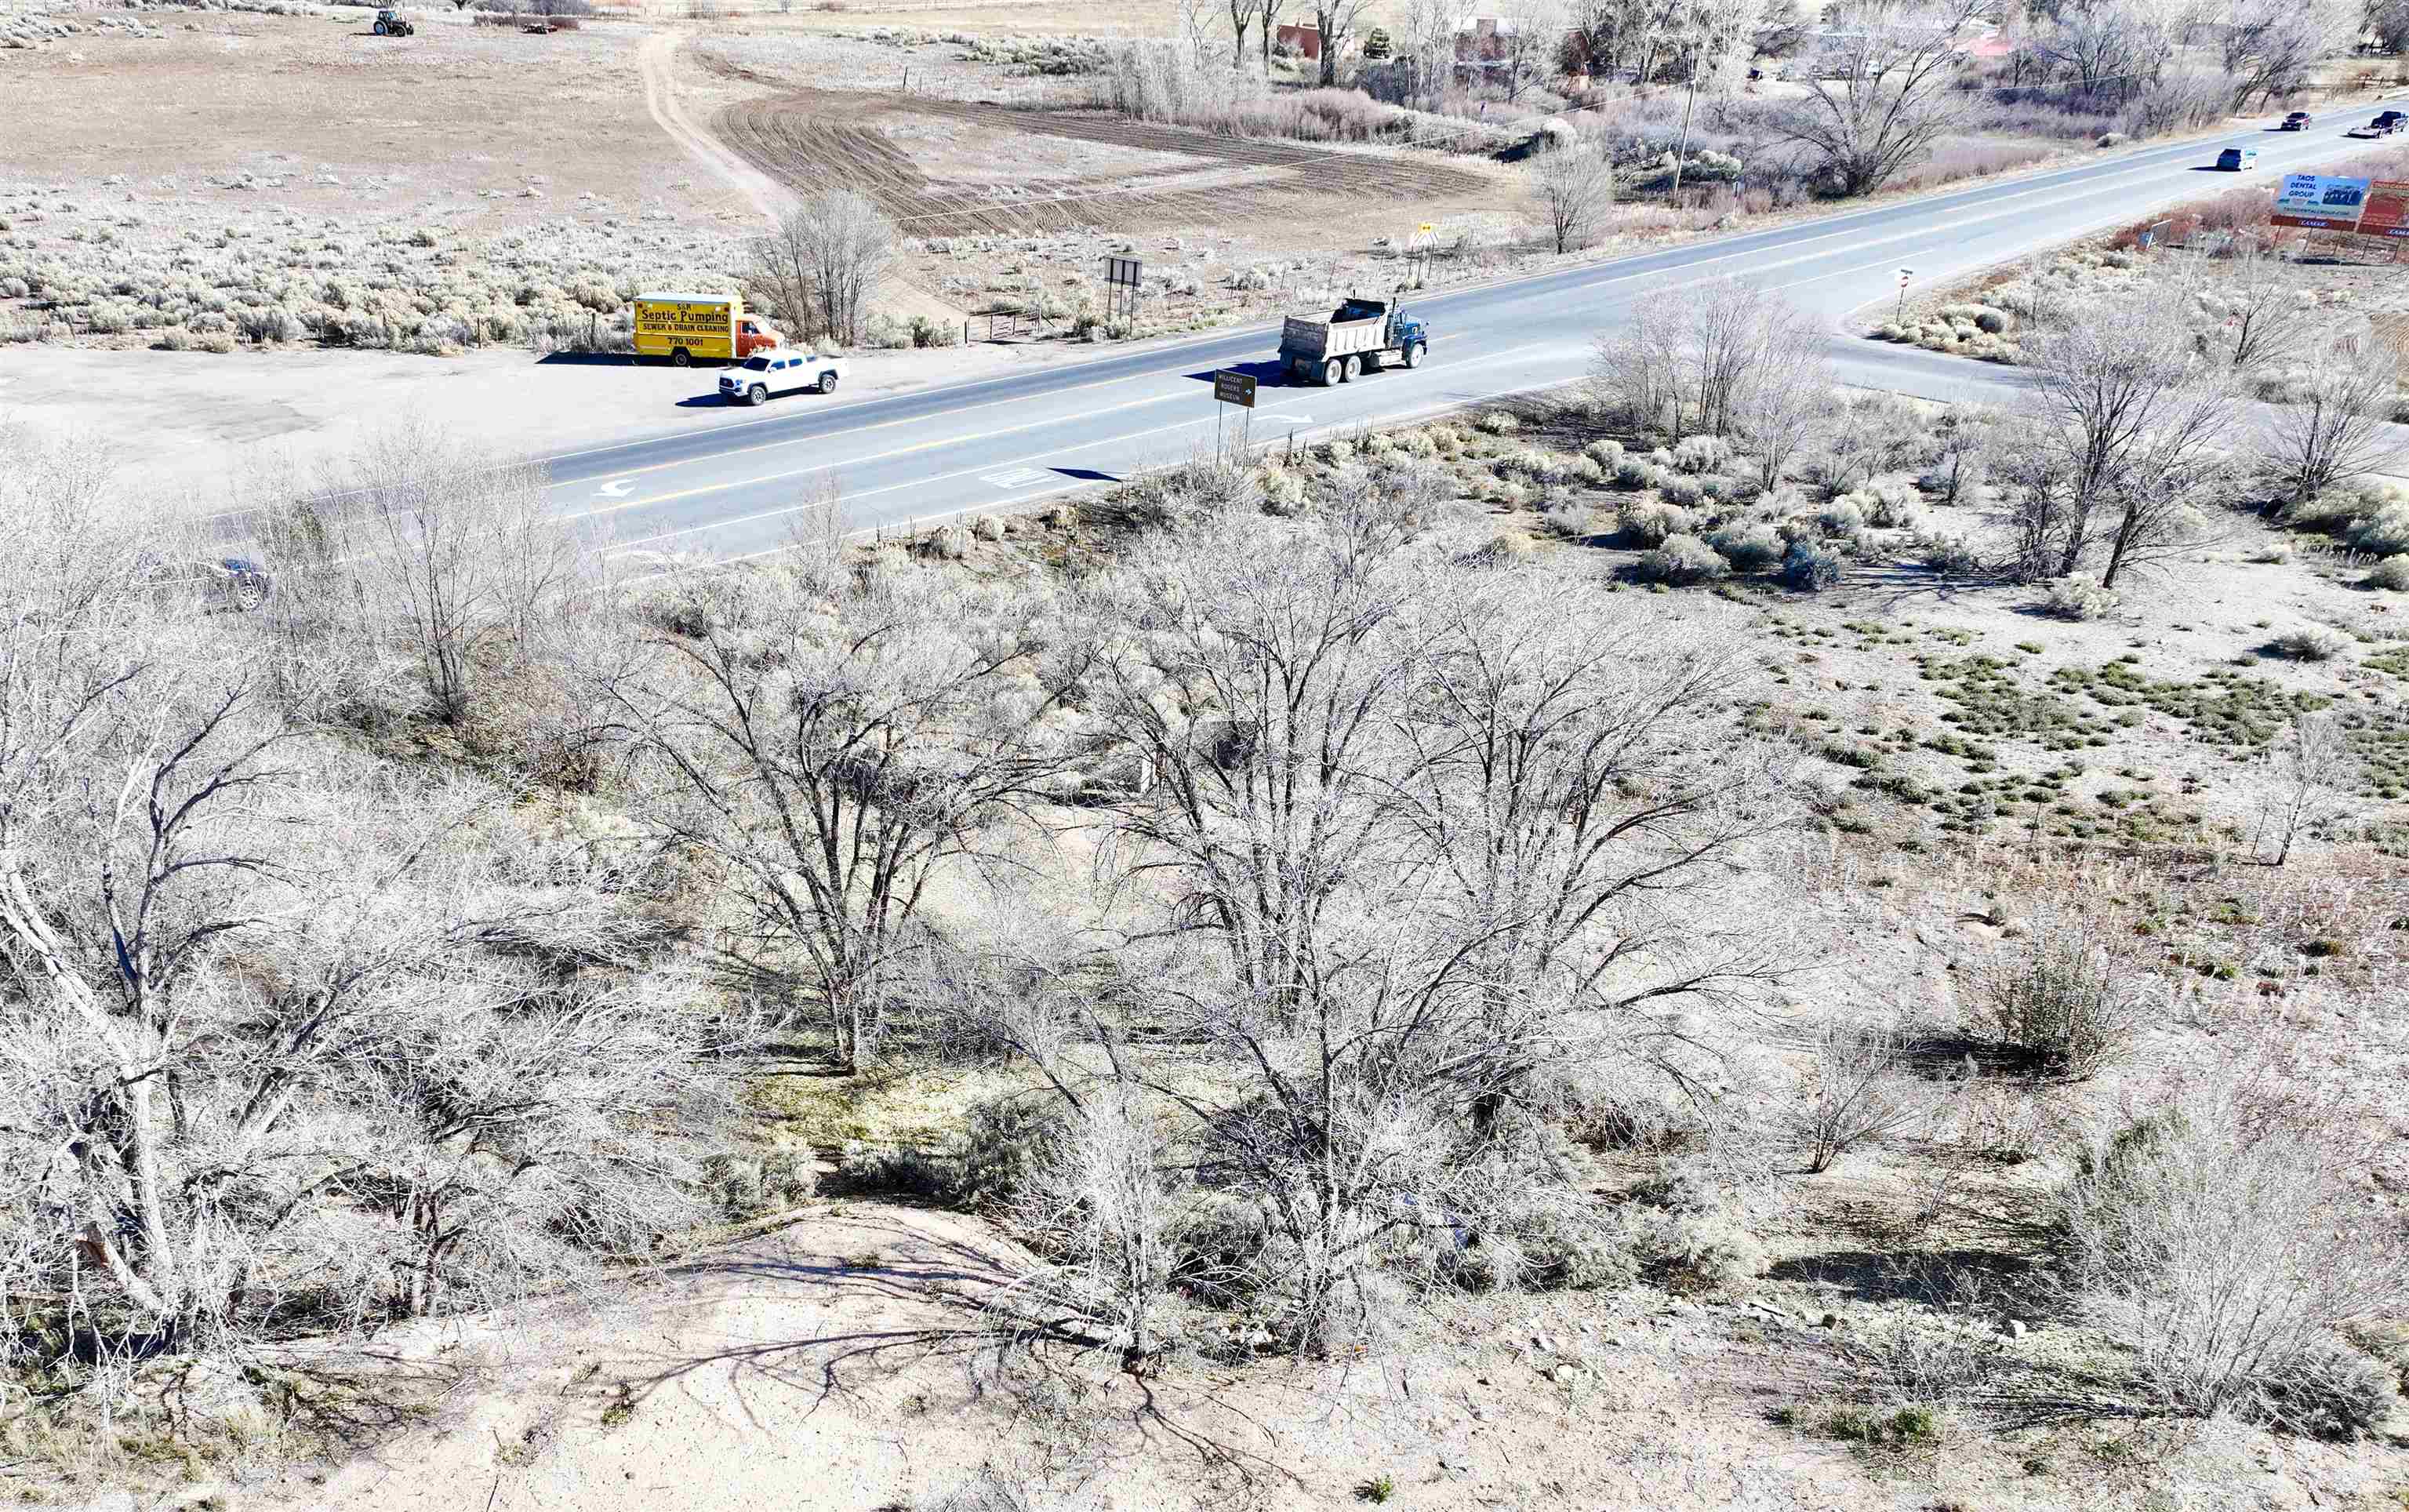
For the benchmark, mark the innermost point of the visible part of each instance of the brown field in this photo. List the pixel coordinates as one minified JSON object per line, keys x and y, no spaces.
{"x":800,"y":139}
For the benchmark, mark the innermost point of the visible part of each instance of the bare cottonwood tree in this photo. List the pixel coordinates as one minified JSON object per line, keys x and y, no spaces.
{"x":2335,"y":423}
{"x":1611,"y":38}
{"x":1880,"y":91}
{"x":1337,"y":22}
{"x":1531,"y":34}
{"x":1270,"y":25}
{"x":1243,"y":15}
{"x":1778,"y":412}
{"x":2270,"y":47}
{"x":454,"y":555}
{"x":1425,"y":55}
{"x":1447,"y":835}
{"x":1575,"y":188}
{"x":2131,"y":421}
{"x":284,"y":1043}
{"x":2111,"y":49}
{"x":830,"y":768}
{"x":825,"y":263}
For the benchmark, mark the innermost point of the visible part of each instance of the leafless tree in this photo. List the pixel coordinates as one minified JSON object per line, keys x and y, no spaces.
{"x":2271,"y":46}
{"x":825,"y":262}
{"x":1701,"y":365}
{"x":1610,"y":39}
{"x":1448,"y":837}
{"x":2334,"y":425}
{"x":1272,"y":11}
{"x":1336,"y":20}
{"x":2132,"y":422}
{"x":1709,"y":44}
{"x":829,"y":768}
{"x":1531,"y":33}
{"x":1243,"y":15}
{"x":1575,"y":188}
{"x":1102,"y":1206}
{"x":284,"y":1043}
{"x":1880,"y":91}
{"x":1636,"y":370}
{"x":1776,"y":415}
{"x":1426,"y":47}
{"x":2305,"y":768}
{"x":2265,"y":315}
{"x":455,"y":553}
{"x":2111,"y":49}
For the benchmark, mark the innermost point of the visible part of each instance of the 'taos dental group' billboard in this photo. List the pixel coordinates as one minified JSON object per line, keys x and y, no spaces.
{"x":2363,"y":206}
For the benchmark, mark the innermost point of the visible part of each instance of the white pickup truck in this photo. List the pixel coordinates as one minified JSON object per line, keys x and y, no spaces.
{"x":780,"y":371}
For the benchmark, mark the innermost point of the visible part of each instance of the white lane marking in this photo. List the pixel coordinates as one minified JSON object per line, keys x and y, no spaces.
{"x":616,"y":488}
{"x":1440,"y":406}
{"x":1016,"y":478}
{"x":955,"y":440}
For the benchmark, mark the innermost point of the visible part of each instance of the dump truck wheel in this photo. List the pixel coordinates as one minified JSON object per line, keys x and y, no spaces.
{"x":828,"y":382}
{"x":1354,"y":366}
{"x":1414,"y":355}
{"x":681,"y":358}
{"x":1334,"y":373}
{"x":757,"y":395}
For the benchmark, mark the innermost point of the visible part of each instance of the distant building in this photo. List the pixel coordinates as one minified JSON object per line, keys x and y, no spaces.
{"x":1307,"y":40}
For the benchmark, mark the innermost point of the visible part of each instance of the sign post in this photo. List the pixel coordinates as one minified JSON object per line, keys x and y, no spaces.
{"x":1233,"y":388}
{"x":1122,"y":276}
{"x":1898,"y":317}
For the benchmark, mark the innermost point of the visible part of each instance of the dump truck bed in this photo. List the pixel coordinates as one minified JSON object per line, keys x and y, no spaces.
{"x":1317,"y":339}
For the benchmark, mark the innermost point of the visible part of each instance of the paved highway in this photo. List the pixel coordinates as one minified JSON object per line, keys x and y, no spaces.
{"x":734,"y":490}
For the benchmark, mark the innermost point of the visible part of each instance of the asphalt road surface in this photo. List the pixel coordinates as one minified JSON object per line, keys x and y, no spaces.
{"x":735,"y":490}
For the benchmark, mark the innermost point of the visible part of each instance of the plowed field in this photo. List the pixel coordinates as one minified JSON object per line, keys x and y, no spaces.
{"x":812,"y":139}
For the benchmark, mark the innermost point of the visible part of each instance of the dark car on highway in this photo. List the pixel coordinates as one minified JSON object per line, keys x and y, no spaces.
{"x":2297,"y":120}
{"x":2388,"y":123}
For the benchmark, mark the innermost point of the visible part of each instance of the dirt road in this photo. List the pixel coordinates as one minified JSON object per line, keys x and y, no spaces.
{"x":656,"y":61}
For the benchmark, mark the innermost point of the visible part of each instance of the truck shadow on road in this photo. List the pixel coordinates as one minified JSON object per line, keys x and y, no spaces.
{"x":1266,"y":373}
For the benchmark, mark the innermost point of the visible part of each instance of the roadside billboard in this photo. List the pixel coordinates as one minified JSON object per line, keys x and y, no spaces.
{"x":2319,"y":203}
{"x":2387,"y":210}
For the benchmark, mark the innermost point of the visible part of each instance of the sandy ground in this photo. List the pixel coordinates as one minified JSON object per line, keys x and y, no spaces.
{"x":176,"y":424}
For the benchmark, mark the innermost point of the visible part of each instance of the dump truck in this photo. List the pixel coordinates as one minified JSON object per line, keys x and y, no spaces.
{"x":1356,"y":338}
{"x":688,"y":328}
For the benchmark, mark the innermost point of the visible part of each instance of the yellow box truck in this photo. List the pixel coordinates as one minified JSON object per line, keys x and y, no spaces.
{"x":688,"y":328}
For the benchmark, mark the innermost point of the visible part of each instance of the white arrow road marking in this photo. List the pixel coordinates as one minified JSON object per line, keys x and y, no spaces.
{"x":1017,"y":478}
{"x":616,"y":489}
{"x":1286,"y":417}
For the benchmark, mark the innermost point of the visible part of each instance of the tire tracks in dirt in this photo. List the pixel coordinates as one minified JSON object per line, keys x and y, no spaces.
{"x":807,"y":136}
{"x":656,"y":63}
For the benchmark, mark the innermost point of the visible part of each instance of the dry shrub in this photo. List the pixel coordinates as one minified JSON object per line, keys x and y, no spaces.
{"x":2069,"y":994}
{"x":2222,"y":1238}
{"x":2311,"y":642}
{"x":1682,"y":559}
{"x":1855,"y":1092}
